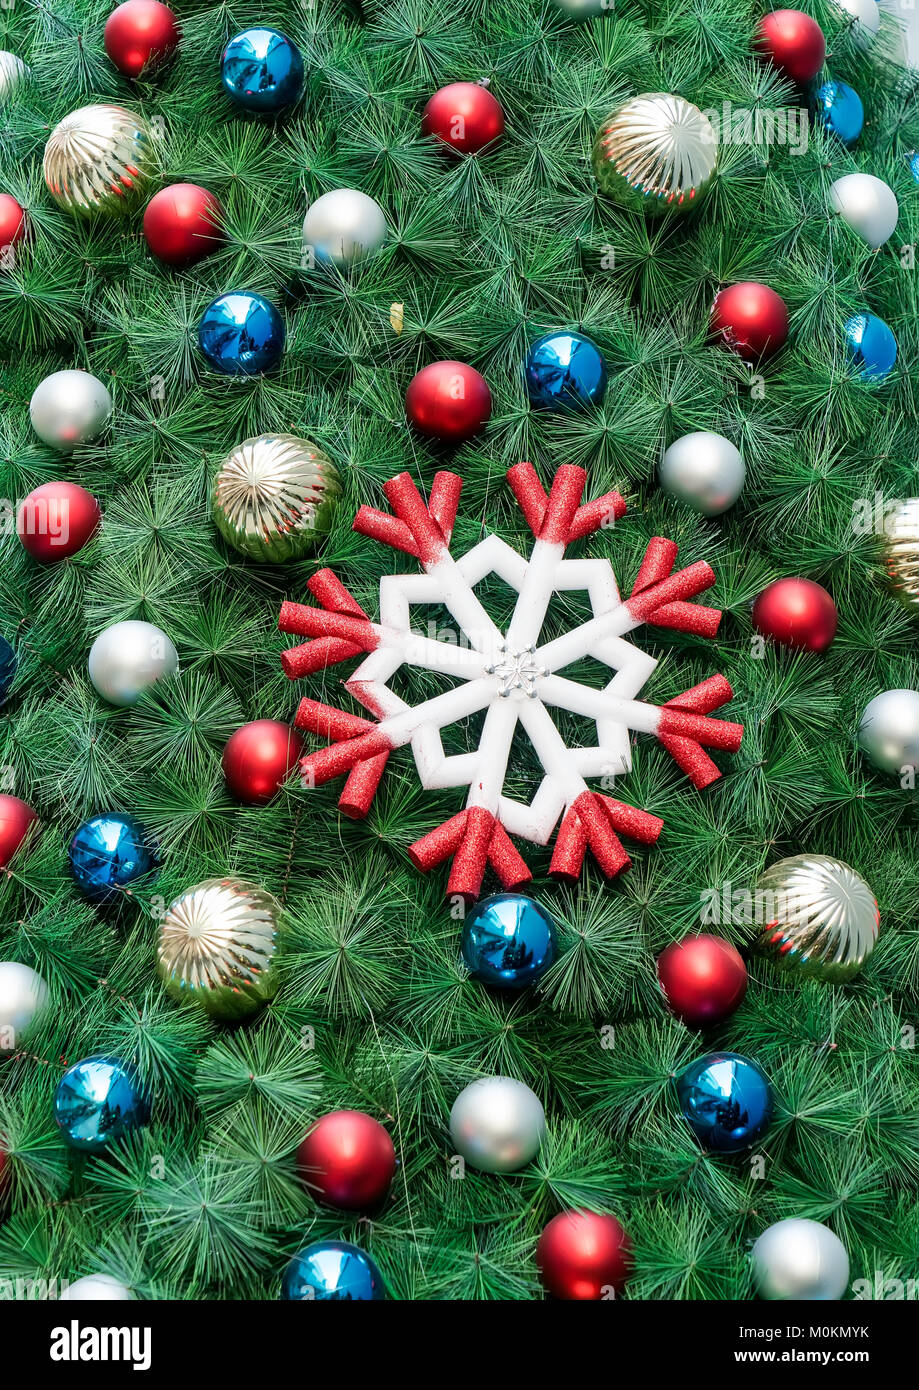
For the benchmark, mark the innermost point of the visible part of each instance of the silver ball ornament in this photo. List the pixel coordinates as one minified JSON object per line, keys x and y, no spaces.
{"x":99,"y":159}
{"x":344,"y":227}
{"x":656,"y":153}
{"x":129,"y":658}
{"x":96,"y":1288}
{"x":820,"y":918}
{"x":13,"y":71}
{"x":274,"y":497}
{"x":497,"y":1124}
{"x":69,"y":408}
{"x":867,"y":204}
{"x":867,"y":16}
{"x":704,"y":470}
{"x":800,"y":1259}
{"x":888,"y":732}
{"x":23,"y":995}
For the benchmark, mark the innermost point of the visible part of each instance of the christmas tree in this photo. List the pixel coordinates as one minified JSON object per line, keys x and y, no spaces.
{"x":375,"y":1011}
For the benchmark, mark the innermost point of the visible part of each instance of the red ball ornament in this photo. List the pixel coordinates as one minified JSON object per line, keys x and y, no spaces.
{"x":140,"y":35}
{"x":583,"y":1255}
{"x":16,"y":818}
{"x":14,"y":227}
{"x":182,"y":224}
{"x":750,"y":318}
{"x":347,"y":1159}
{"x":464,"y":116}
{"x":703,"y":978}
{"x":258,"y":758}
{"x":449,"y":401}
{"x":796,"y":613}
{"x":56,"y":520}
{"x":794,"y":42}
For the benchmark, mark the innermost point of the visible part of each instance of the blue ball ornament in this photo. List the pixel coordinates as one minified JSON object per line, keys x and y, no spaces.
{"x":262,"y":70}
{"x":107,"y":853}
{"x":508,"y":941}
{"x":871,"y":344}
{"x":241,"y":333}
{"x":726,"y":1100}
{"x":98,"y":1101}
{"x":913,"y":160}
{"x":839,"y":108}
{"x":332,"y":1269}
{"x":7,"y":668}
{"x":565,"y":371}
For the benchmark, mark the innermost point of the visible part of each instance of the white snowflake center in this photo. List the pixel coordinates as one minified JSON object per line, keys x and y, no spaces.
{"x":516,"y":671}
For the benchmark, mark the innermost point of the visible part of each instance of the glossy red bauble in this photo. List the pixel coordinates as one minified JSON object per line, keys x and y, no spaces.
{"x":258,"y":758}
{"x":449,"y":401}
{"x":347,"y":1160}
{"x":56,"y":520}
{"x":464,"y":116}
{"x":751,"y":319}
{"x":13,"y":228}
{"x":16,"y":818}
{"x":139,"y":35}
{"x":796,"y":613}
{"x":703,"y":978}
{"x":583,"y":1255}
{"x":182,"y":224}
{"x":793,"y":41}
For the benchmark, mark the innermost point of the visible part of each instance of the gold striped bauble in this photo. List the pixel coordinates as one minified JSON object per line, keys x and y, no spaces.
{"x":274,"y":497}
{"x":655,"y":154}
{"x":99,"y":159}
{"x":900,"y":551}
{"x":816,"y":917}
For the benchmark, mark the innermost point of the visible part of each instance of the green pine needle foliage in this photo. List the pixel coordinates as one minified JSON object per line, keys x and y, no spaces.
{"x":375,"y":1010}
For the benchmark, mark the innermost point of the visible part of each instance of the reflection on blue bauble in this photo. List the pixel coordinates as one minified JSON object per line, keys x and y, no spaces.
{"x":913,"y":158}
{"x":98,"y":1101}
{"x":839,"y":108}
{"x":726,"y":1099}
{"x":871,"y":344}
{"x":332,"y":1269}
{"x":508,"y":941}
{"x":565,"y":371}
{"x":241,"y":333}
{"x":7,"y":668}
{"x":262,"y":70}
{"x":107,"y":853}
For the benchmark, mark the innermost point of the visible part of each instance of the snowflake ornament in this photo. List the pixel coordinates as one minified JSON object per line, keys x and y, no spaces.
{"x":512,"y":676}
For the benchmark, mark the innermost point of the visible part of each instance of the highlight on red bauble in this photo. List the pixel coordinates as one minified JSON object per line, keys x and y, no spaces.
{"x":56,"y":520}
{"x":796,"y":613}
{"x":347,"y":1160}
{"x":258,"y":759}
{"x":449,"y":401}
{"x":182,"y":224}
{"x":140,"y":35}
{"x":583,"y":1255}
{"x":703,"y":978}
{"x":793,"y":42}
{"x":465,"y":116}
{"x":751,"y":319}
{"x":16,"y":820}
{"x":14,"y":228}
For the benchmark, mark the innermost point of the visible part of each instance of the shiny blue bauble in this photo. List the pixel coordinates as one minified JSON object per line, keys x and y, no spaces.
{"x":871,"y":344}
{"x":98,"y":1101}
{"x":262,"y":70}
{"x":7,"y":668}
{"x":839,"y":108}
{"x":107,"y":853}
{"x":565,"y":371}
{"x":726,"y":1100}
{"x":508,"y":941}
{"x":332,"y":1269}
{"x":913,"y":159}
{"x":241,"y":333}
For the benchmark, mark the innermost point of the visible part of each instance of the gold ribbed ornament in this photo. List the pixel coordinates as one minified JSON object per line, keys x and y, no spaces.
{"x":274,"y":497}
{"x":821,"y":917}
{"x":218,"y":946}
{"x":99,"y":159}
{"x":900,"y":550}
{"x":655,"y":154}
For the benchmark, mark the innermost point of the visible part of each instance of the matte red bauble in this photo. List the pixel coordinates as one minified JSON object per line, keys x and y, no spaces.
{"x":15,"y":820}
{"x":258,"y":758}
{"x":793,"y":41}
{"x":449,"y":401}
{"x":13,"y":228}
{"x":140,"y":35}
{"x":751,"y":319}
{"x":56,"y":520}
{"x":348,"y":1160}
{"x":465,"y":116}
{"x":796,"y":613}
{"x":703,"y":978}
{"x":583,"y":1255}
{"x":182,"y":224}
